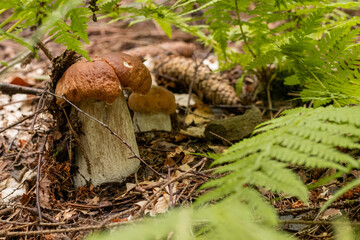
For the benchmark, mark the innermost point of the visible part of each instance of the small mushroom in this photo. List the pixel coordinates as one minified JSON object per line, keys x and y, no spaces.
{"x":152,"y":111}
{"x":96,"y":88}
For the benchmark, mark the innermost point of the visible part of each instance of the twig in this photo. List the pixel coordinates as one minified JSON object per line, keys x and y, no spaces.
{"x":103,"y":223}
{"x":12,"y":88}
{"x":153,"y":198}
{"x":39,"y":106}
{"x":30,"y":210}
{"x":25,"y":100}
{"x":21,"y":120}
{"x":42,"y":149}
{"x":268,"y":94}
{"x":193,"y":80}
{"x":278,"y":112}
{"x":192,"y":190}
{"x":222,"y":138}
{"x":77,"y":139}
{"x":21,"y":150}
{"x":248,"y":106}
{"x":36,"y":222}
{"x":309,"y":222}
{"x":181,"y":193}
{"x":19,"y":227}
{"x":45,"y":50}
{"x":17,"y":59}
{"x":4,"y":233}
{"x":170,"y":188}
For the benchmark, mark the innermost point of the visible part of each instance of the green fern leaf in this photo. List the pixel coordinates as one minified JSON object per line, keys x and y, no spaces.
{"x":79,"y":20}
{"x":61,"y":34}
{"x":302,"y":136}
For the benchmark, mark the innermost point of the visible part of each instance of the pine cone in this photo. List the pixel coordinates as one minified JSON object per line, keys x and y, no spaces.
{"x":208,"y":85}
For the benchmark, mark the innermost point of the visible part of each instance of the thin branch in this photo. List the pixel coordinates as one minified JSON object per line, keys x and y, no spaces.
{"x":222,"y":138}
{"x":21,"y":120}
{"x":39,"y":106}
{"x":12,"y":88}
{"x":4,"y":233}
{"x":154,"y":197}
{"x":42,"y":149}
{"x":120,"y":214}
{"x":309,"y":222}
{"x":193,"y":80}
{"x":269,"y":94}
{"x":14,"y":102}
{"x":29,"y":209}
{"x":77,"y":139}
{"x":36,"y":222}
{"x":242,"y":30}
{"x":45,"y":50}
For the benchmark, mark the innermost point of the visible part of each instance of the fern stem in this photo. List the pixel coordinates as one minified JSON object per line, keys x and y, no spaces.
{"x":45,"y":50}
{"x":242,"y":30}
{"x":322,"y":85}
{"x":15,"y":25}
{"x":269,"y":95}
{"x":6,"y":21}
{"x":2,"y":10}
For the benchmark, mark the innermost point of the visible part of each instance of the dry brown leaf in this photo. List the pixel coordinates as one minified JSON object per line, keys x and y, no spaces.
{"x":67,"y":214}
{"x":44,"y":193}
{"x":196,"y":132}
{"x":200,"y":116}
{"x":330,"y":213}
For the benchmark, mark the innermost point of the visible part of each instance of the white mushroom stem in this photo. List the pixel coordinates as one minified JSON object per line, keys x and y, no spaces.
{"x":145,"y":122}
{"x":110,"y":160}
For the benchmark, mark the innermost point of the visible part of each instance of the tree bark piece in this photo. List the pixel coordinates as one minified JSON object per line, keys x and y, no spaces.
{"x":208,"y":85}
{"x":110,"y":160}
{"x":234,"y":128}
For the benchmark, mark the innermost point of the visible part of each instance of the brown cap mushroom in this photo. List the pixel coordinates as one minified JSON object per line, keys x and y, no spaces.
{"x":84,"y":79}
{"x":131,"y":72}
{"x":157,"y":100}
{"x":92,"y":85}
{"x":152,"y":111}
{"x":101,"y":79}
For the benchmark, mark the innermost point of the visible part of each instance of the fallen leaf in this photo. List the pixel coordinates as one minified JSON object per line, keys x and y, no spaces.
{"x":68,"y":213}
{"x":17,"y":80}
{"x":197,"y":132}
{"x":218,"y":149}
{"x":161,"y":206}
{"x":200,"y":116}
{"x":130,"y":186}
{"x":22,"y":142}
{"x":169,"y":162}
{"x":44,"y":193}
{"x":330,"y":213}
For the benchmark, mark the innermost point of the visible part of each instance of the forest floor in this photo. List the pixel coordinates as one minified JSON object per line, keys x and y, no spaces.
{"x":38,"y":197}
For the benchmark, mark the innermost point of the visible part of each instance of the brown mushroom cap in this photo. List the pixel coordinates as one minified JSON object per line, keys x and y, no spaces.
{"x":131,"y":72}
{"x":158,"y":100}
{"x":84,"y":79}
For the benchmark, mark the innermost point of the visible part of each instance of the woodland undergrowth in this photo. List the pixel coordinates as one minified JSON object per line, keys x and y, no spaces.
{"x":314,"y":42}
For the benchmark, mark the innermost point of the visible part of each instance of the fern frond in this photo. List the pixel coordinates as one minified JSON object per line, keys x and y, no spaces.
{"x":227,"y":220}
{"x":61,"y":34}
{"x":79,"y":19}
{"x":328,"y":68}
{"x":308,"y":137}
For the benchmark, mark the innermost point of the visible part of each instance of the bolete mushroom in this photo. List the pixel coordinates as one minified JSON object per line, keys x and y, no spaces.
{"x":152,"y":111}
{"x":96,"y":88}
